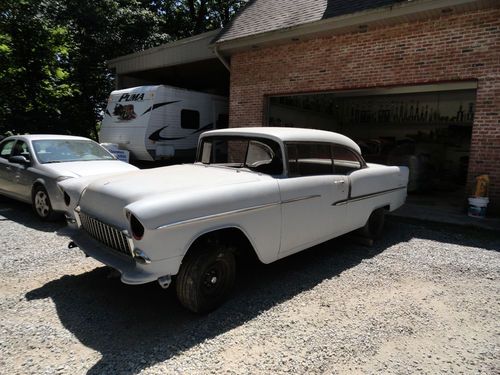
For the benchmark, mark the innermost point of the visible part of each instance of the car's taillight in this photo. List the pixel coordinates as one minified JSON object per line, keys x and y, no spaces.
{"x":136,"y":227}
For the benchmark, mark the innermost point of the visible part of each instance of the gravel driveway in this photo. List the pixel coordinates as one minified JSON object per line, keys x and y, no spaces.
{"x":424,"y":299}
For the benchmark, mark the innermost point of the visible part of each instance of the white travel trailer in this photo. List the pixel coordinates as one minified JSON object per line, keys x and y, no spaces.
{"x":161,"y":122}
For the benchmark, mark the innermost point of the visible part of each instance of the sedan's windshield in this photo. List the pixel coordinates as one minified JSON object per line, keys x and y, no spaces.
{"x":66,"y":150}
{"x":260,"y":155}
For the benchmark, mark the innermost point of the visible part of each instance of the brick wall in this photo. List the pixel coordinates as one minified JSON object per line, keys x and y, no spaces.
{"x":451,"y":48}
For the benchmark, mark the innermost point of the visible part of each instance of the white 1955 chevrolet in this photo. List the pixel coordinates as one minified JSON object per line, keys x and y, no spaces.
{"x":266,"y":191}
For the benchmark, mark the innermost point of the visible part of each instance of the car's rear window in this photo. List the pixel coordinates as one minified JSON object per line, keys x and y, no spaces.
{"x":260,"y":155}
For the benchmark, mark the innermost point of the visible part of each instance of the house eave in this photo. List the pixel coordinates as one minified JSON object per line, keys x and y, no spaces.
{"x":355,"y":22}
{"x":182,"y":51}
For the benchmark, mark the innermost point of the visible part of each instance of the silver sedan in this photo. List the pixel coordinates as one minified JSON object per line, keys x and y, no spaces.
{"x":31,"y":166}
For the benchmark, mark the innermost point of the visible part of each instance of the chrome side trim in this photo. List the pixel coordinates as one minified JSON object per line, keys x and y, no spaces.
{"x":300,"y":198}
{"x":215,"y":216}
{"x":340,"y":203}
{"x":362,"y":197}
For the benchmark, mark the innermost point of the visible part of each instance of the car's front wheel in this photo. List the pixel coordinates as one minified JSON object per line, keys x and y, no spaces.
{"x":42,"y":205}
{"x":205,"y":278}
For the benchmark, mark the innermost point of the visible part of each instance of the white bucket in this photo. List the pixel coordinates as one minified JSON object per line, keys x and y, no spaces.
{"x":477,"y":206}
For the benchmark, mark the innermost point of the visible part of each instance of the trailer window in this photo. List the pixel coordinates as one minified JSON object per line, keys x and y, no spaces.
{"x":190,"y":119}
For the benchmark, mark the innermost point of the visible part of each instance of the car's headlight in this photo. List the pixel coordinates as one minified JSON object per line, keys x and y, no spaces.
{"x":67,"y":198}
{"x":136,"y":227}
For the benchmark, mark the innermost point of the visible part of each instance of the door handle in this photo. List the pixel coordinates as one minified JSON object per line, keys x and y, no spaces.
{"x":339,"y":182}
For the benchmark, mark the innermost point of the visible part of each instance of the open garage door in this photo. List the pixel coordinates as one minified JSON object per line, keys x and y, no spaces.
{"x":427,"y":128}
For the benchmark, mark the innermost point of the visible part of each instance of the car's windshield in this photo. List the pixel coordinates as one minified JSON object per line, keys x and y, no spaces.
{"x":257,"y":154}
{"x":67,"y":150}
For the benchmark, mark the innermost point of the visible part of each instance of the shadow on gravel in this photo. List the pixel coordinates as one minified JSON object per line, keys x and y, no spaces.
{"x":450,"y":233}
{"x":22,"y":213}
{"x":135,"y":327}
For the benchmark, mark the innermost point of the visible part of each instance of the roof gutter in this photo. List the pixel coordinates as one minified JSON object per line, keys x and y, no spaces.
{"x":403,"y":12}
{"x":222,"y":58}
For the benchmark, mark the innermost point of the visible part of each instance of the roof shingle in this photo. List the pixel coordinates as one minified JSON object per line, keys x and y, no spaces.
{"x":261,"y":16}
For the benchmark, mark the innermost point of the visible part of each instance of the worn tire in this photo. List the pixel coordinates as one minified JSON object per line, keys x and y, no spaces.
{"x":41,"y":204}
{"x":205,"y":279}
{"x":374,"y":225}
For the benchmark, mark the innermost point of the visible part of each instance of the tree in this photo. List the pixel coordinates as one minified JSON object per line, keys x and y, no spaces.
{"x":34,"y":67}
{"x":184,"y":18}
{"x":103,"y":29}
{"x":53,"y":53}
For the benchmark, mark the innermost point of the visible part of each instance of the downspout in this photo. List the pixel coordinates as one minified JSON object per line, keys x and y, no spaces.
{"x":221,"y":58}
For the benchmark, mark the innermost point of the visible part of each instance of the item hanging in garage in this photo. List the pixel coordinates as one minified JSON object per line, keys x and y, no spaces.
{"x":482,"y":184}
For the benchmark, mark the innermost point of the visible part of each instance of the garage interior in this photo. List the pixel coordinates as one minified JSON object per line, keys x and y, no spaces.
{"x":188,"y":63}
{"x":427,"y":128}
{"x":208,"y":76}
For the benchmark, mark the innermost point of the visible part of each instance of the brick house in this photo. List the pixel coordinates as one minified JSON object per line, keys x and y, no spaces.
{"x":414,"y":82}
{"x":424,"y":74}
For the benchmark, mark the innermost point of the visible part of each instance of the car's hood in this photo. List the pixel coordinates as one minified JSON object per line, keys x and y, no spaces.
{"x":106,"y":197}
{"x":88,"y":168}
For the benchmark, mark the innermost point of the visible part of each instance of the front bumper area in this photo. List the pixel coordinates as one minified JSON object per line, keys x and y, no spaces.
{"x":131,"y":272}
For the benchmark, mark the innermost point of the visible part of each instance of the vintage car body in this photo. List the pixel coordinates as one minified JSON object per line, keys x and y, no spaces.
{"x":158,"y":223}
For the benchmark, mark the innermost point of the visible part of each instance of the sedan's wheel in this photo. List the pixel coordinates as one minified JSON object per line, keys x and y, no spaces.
{"x":42,"y":205}
{"x":375,"y":224}
{"x":205,"y":279}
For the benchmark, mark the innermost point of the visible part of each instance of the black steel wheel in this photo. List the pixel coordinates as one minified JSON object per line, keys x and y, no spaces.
{"x":205,"y":279}
{"x":375,"y":225}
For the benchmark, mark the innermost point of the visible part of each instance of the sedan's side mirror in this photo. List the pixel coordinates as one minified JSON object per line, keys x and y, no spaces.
{"x":19,"y":159}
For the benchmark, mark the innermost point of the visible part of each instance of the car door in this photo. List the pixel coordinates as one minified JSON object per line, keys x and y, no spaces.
{"x":351,"y":165}
{"x":21,"y":174}
{"x":312,"y":198}
{"x":6,"y":185}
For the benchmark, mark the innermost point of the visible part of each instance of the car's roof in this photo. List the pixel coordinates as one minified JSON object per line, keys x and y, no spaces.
{"x":289,"y":135}
{"x":36,"y":137}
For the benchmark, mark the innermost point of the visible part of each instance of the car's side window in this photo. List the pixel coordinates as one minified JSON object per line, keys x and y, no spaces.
{"x":6,"y":148}
{"x":21,"y":149}
{"x":309,"y":159}
{"x":345,"y":161}
{"x":262,"y":158}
